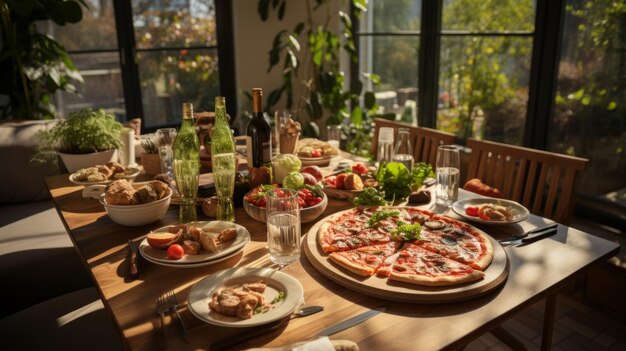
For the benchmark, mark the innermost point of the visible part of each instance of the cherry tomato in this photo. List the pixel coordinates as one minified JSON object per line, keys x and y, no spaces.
{"x":471,"y":211}
{"x":359,"y":168}
{"x":316,"y":153}
{"x":175,"y":252}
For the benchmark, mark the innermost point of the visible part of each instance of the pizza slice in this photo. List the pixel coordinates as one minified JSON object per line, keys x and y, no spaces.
{"x":416,"y":265}
{"x":365,"y":260}
{"x":456,"y":240}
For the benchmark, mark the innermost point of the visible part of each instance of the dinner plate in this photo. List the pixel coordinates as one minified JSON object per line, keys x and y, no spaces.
{"x":243,"y":238}
{"x":130,"y":176}
{"x":519,"y":212}
{"x":315,"y":161}
{"x":277,"y":281}
{"x":174,"y":264}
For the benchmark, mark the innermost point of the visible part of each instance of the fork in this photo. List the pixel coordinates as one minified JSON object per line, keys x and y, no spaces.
{"x":172,"y":306}
{"x":161,"y":308}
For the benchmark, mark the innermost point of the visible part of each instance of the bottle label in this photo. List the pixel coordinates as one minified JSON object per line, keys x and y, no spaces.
{"x":267,"y":152}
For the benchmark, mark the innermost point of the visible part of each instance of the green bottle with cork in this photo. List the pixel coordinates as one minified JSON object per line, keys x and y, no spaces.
{"x":187,"y":165}
{"x":223,"y":162}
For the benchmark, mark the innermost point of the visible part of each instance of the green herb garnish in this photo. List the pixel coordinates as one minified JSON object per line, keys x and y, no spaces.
{"x":396,"y":180}
{"x":258,"y":310}
{"x":278,"y":298}
{"x":407,"y":231}
{"x":381,"y":215}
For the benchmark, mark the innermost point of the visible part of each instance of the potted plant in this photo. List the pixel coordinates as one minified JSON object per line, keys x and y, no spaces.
{"x":85,"y":138}
{"x":150,"y":159}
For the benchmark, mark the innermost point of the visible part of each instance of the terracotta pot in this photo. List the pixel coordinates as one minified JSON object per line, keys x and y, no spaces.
{"x":151,"y":163}
{"x":74,"y":162}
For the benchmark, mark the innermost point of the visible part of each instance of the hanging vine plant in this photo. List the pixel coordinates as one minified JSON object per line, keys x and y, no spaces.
{"x":33,"y":66}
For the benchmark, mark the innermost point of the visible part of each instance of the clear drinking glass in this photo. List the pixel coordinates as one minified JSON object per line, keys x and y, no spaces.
{"x":403,"y":151}
{"x":448,"y":174}
{"x":283,"y":226}
{"x":334,"y":136}
{"x":165,"y":139}
{"x":385,"y":145}
{"x":281,"y":117}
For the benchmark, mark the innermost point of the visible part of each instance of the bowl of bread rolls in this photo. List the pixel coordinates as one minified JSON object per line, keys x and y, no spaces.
{"x":136,"y":205}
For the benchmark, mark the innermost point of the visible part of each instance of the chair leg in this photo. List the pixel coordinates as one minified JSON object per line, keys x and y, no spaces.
{"x":548,"y":322}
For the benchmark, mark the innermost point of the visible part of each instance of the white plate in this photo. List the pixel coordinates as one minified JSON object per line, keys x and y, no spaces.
{"x":315,"y":161}
{"x":193,"y":265}
{"x":277,"y":281}
{"x":518,"y":211}
{"x":135,"y":172}
{"x":243,"y":238}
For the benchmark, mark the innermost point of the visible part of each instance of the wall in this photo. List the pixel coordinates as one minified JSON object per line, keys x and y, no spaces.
{"x":253,"y":41}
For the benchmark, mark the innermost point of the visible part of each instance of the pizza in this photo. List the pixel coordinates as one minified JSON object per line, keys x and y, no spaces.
{"x":406,"y":244}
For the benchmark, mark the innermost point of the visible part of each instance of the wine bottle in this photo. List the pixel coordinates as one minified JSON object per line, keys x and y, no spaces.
{"x":223,"y":162}
{"x":187,"y":165}
{"x":259,"y":143}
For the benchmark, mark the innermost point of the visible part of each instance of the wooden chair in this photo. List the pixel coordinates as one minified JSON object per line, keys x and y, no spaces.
{"x":425,"y":141}
{"x":541,"y":181}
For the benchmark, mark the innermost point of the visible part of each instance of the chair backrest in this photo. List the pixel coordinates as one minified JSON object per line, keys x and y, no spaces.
{"x":425,"y":141}
{"x":541,"y":181}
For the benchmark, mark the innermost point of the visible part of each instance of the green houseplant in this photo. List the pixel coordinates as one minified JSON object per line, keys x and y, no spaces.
{"x":85,"y":132}
{"x":33,"y":66}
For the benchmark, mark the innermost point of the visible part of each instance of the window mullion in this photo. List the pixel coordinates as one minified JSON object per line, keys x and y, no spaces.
{"x":130,"y":71}
{"x":544,"y":72}
{"x":428,"y":73}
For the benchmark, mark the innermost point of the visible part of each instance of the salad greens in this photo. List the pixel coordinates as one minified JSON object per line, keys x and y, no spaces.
{"x":396,"y":180}
{"x":370,"y":197}
{"x":381,"y":215}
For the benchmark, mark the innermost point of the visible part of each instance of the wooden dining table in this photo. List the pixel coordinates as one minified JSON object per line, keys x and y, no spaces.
{"x":536,"y":271}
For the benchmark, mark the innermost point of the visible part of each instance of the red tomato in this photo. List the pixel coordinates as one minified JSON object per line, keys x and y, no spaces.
{"x":340,"y":181}
{"x":316,"y":153}
{"x":359,"y":169}
{"x":331,"y":181}
{"x":471,"y":211}
{"x":175,"y":252}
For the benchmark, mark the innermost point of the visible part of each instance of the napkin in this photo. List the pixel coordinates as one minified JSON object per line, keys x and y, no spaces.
{"x":320,"y":344}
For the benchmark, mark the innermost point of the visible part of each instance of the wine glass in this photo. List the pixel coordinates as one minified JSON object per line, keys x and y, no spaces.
{"x":448,"y":174}
{"x":165,"y":139}
{"x":283,"y":226}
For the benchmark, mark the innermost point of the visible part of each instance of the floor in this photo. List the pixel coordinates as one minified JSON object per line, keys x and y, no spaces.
{"x":580,"y":324}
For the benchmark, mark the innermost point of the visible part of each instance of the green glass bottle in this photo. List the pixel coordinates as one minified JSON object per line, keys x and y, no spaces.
{"x":223,"y":162}
{"x":187,"y":165}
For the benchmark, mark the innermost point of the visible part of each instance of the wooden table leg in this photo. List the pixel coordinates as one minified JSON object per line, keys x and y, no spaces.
{"x":548,"y":322}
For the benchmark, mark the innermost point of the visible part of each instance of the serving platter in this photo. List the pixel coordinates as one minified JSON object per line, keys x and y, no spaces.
{"x":277,"y":281}
{"x":134,"y":172}
{"x":378,"y":287}
{"x":321,"y":161}
{"x":225,"y":249}
{"x":518,"y":211}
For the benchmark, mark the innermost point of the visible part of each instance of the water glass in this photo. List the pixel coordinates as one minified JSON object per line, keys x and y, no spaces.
{"x":283,"y":226}
{"x":281,"y":117}
{"x":448,"y":174}
{"x":165,"y":139}
{"x":385,"y":145}
{"x":333,"y":133}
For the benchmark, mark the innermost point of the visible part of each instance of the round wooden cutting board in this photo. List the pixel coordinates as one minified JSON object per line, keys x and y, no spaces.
{"x":375,"y":286}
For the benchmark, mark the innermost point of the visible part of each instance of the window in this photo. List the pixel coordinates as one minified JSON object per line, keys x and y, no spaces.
{"x":143,"y":58}
{"x":589,"y":117}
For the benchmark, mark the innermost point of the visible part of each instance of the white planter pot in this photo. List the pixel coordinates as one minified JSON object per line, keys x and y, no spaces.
{"x":74,"y":162}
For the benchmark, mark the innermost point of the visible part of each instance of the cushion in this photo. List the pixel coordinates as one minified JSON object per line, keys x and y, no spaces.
{"x":21,"y":181}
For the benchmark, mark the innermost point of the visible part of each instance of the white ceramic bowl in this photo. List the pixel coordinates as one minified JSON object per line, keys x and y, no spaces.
{"x":306,"y":214}
{"x":137,"y":215}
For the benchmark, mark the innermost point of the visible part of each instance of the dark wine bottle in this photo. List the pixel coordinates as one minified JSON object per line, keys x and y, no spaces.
{"x":259,"y":143}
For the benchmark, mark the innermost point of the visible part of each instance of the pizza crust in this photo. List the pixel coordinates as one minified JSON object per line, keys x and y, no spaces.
{"x":354,"y":267}
{"x":436,"y":281}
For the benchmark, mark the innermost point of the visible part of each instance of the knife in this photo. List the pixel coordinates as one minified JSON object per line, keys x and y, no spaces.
{"x":532,"y":231}
{"x":530,"y":238}
{"x":133,"y":271}
{"x":351,"y":322}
